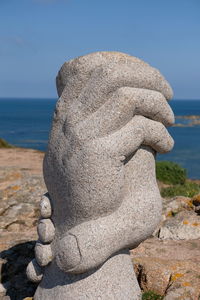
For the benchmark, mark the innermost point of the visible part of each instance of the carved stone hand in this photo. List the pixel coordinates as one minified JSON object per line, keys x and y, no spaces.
{"x":99,"y":168}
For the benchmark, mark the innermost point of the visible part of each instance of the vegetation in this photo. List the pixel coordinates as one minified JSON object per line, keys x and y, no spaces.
{"x":175,"y":176}
{"x":188,"y":189}
{"x":150,"y":295}
{"x":4,"y":144}
{"x":170,"y":172}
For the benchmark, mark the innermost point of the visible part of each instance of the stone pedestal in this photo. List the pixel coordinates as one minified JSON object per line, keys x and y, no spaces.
{"x":114,"y":280}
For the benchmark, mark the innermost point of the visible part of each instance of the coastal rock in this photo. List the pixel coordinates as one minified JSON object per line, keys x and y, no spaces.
{"x":196,"y":203}
{"x":196,"y":200}
{"x":177,"y":204}
{"x":184,"y":225}
{"x":169,"y":267}
{"x":21,"y":187}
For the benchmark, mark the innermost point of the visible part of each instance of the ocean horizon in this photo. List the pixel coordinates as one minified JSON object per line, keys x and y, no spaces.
{"x":26,"y":122}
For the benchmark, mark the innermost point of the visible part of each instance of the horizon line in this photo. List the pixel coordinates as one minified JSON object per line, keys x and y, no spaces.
{"x":55,"y":98}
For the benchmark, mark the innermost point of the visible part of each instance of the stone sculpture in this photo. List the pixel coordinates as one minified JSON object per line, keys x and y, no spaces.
{"x":99,"y":169}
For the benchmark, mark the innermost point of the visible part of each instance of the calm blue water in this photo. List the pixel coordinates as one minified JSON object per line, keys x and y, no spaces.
{"x":186,"y":151}
{"x":26,"y":123}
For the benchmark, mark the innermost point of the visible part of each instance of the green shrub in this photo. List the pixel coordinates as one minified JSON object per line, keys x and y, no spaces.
{"x":188,"y":189}
{"x":4,"y":144}
{"x":151,"y":296}
{"x":170,"y":172}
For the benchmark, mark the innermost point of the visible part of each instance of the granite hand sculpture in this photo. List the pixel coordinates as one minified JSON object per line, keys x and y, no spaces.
{"x":99,"y":170}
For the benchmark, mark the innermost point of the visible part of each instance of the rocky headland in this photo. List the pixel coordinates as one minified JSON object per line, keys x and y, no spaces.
{"x":187,"y":121}
{"x":167,"y":265}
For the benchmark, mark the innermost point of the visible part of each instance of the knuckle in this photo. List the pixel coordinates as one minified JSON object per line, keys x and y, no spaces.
{"x":46,"y":230}
{"x":45,"y":206}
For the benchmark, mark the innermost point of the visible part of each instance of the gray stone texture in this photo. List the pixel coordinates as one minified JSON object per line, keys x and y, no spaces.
{"x":99,"y":169}
{"x":115,"y":279}
{"x":184,"y":226}
{"x":45,"y":207}
{"x":34,"y":271}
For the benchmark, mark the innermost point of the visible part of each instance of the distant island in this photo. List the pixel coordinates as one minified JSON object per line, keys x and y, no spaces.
{"x":193,"y":121}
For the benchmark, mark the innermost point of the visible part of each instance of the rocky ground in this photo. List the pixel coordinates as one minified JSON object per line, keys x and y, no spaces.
{"x":168,"y":263}
{"x":21,"y":186}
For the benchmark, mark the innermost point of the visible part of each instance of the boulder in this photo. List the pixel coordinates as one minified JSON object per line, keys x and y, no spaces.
{"x":169,"y":267}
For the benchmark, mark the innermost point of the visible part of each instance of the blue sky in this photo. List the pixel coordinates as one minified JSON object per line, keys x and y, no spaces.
{"x":37,"y":36}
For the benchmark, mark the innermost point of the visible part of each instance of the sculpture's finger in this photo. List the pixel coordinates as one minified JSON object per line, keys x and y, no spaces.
{"x":127,"y":102}
{"x":68,"y":254}
{"x":120,"y":109}
{"x":43,"y":254}
{"x":149,"y":104}
{"x":45,"y":206}
{"x":34,"y":272}
{"x":46,"y":230}
{"x":138,"y":131}
{"x":105,"y":80}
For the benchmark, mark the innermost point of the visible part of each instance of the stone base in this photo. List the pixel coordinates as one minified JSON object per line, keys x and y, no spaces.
{"x":114,"y":280}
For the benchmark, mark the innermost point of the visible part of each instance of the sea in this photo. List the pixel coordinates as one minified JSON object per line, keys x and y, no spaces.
{"x":27,"y":122}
